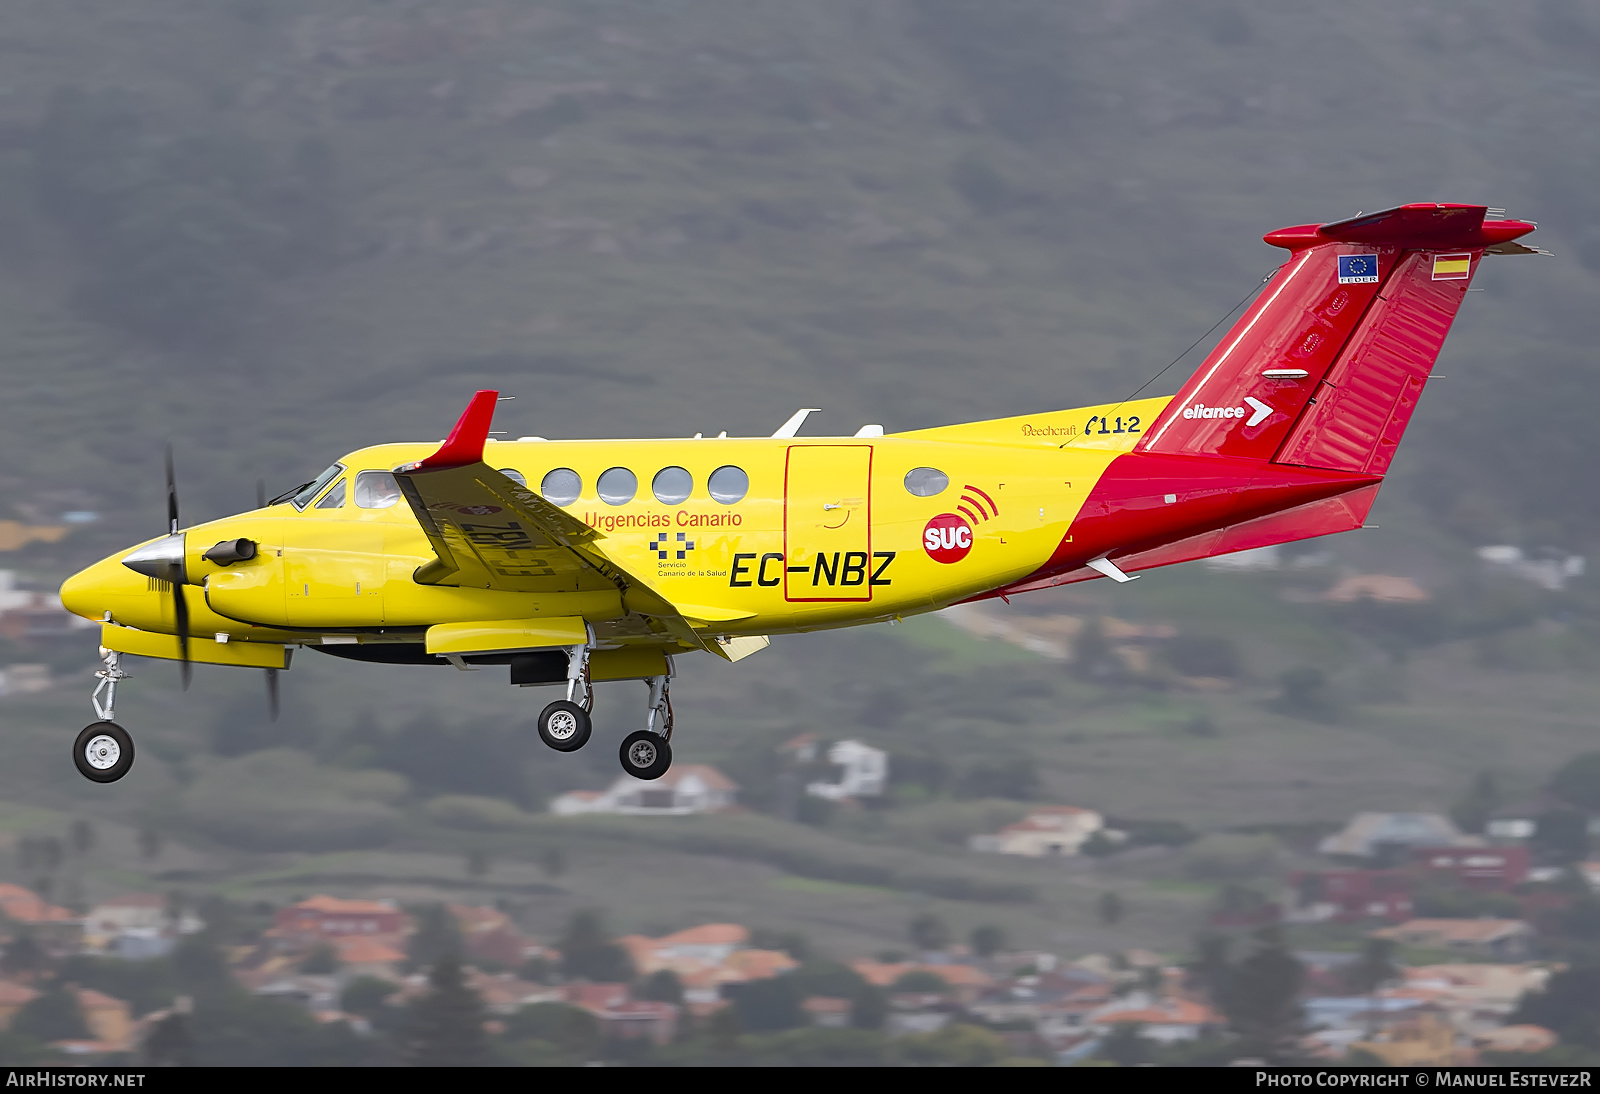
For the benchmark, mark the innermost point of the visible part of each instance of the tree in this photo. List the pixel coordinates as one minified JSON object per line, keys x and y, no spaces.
{"x":169,"y":1042}
{"x":1375,"y":968}
{"x":1482,"y":798}
{"x":321,"y":961}
{"x":920,"y":980}
{"x":869,"y":1008}
{"x":662,"y":986}
{"x":1562,"y":836}
{"x":571,"y":1029}
{"x":52,"y":1016}
{"x":1260,"y":999}
{"x":1211,"y":965}
{"x":437,"y":934}
{"x":365,"y":995}
{"x":1306,"y":694}
{"x":987,"y":940}
{"x":446,"y":1026}
{"x":1578,"y":781}
{"x":929,"y":932}
{"x":1126,"y":1045}
{"x":588,"y":952}
{"x":149,"y":843}
{"x":1111,"y":908}
{"x":477,"y":862}
{"x":1569,"y":1005}
{"x":24,"y":957}
{"x":767,"y":1005}
{"x":553,"y":862}
{"x":82,"y":836}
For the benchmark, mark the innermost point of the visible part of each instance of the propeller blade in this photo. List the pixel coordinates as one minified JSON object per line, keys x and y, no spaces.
{"x":261,"y":494}
{"x":272,"y":694}
{"x":172,"y":494}
{"x":180,"y":614}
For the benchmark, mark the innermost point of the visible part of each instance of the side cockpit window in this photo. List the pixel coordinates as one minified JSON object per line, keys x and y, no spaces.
{"x":303,"y":496}
{"x":376,"y":490}
{"x":334,"y":498}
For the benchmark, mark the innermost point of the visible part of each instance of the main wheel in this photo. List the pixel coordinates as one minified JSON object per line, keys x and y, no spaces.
{"x":564,"y":726}
{"x":645,"y":755}
{"x":103,"y":752}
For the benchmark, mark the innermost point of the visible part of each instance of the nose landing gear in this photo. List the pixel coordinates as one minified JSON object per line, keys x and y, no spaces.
{"x":103,"y":752}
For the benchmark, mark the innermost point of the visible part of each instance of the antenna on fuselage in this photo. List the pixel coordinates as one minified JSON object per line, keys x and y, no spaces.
{"x":798,"y":419}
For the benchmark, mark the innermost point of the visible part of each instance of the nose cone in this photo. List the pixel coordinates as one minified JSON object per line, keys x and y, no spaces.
{"x":88,"y":592}
{"x":111,"y":586}
{"x":161,"y":559}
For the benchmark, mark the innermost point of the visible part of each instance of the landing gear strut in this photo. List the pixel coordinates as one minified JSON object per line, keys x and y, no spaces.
{"x":647,"y":753}
{"x":103,"y":752}
{"x":565,"y":725}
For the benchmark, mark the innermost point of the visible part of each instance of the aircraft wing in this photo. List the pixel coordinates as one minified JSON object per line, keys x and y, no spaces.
{"x":489,"y":531}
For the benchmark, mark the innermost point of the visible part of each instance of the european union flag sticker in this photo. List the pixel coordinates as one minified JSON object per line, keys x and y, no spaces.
{"x":1358,"y":269}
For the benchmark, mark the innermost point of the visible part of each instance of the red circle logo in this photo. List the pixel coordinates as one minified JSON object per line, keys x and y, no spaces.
{"x":947,"y":538}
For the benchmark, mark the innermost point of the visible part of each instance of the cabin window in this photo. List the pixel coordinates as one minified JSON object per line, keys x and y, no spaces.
{"x":728,"y":484}
{"x":334,"y":498}
{"x":617,"y":486}
{"x":514,"y":475}
{"x":314,"y":487}
{"x":925,"y":482}
{"x":376,"y":490}
{"x":672,"y":485}
{"x":561,"y":486}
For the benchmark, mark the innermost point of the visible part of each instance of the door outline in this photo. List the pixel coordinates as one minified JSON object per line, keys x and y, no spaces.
{"x":867,"y":586}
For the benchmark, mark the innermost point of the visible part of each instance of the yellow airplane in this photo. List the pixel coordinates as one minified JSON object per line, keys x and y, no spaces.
{"x":576,"y":562}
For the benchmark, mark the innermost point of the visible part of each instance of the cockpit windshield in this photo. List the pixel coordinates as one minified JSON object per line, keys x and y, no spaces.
{"x":303,"y":496}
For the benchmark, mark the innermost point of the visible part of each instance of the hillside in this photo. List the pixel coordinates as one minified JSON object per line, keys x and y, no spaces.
{"x":271,"y":232}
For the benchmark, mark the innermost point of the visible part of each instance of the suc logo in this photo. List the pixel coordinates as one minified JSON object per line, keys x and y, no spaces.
{"x":947,"y":538}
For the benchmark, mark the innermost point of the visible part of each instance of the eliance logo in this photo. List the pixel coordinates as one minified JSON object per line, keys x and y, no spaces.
{"x":1257,"y":410}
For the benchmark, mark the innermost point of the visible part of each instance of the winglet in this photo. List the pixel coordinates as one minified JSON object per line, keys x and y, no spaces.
{"x":466,"y":440}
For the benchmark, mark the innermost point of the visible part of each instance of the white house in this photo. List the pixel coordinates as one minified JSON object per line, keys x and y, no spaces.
{"x":865,"y":774}
{"x":1369,"y":833}
{"x":684,"y":789}
{"x":1047,"y":830}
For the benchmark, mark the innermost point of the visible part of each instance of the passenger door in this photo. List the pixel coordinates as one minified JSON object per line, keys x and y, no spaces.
{"x":827,"y":523}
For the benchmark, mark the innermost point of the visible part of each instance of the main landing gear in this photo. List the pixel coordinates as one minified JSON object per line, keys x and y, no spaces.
{"x":103,"y":752}
{"x":565,"y":725}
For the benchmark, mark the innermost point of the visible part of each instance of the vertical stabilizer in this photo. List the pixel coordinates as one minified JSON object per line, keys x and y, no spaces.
{"x":1323,"y":370}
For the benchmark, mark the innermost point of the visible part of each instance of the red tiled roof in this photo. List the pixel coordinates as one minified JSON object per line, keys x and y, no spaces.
{"x":759,"y":964}
{"x":1168,"y":1012}
{"x":882,"y":975}
{"x":89,"y":999}
{"x":322,"y":903}
{"x":365,"y":950}
{"x":707,"y":934}
{"x":13,"y":994}
{"x":713,"y":778}
{"x":474,"y":918}
{"x":27,"y":906}
{"x":135,"y":900}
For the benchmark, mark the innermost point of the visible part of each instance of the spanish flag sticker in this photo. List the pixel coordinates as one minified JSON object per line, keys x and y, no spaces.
{"x":1452,"y":267}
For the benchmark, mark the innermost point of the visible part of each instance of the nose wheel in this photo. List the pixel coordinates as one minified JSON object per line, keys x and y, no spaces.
{"x":103,"y":752}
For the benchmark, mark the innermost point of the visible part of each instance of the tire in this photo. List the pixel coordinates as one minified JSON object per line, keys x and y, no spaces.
{"x":565,"y":726}
{"x":645,"y":755}
{"x":103,"y":752}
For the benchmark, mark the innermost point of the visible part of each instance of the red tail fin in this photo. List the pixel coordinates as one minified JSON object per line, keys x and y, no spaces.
{"x":1355,"y":318}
